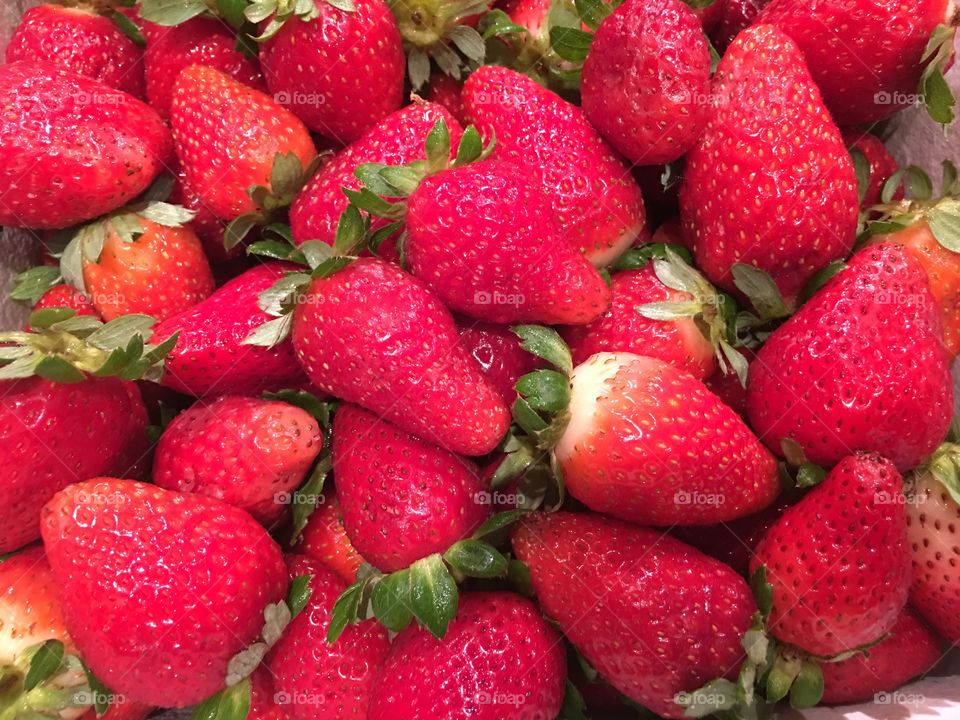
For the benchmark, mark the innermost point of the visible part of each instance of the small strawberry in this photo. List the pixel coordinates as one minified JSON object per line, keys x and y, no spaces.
{"x":655,"y":617}
{"x":207,"y":226}
{"x":861,"y":366}
{"x":729,"y":388}
{"x":193,"y":575}
{"x":30,"y":612}
{"x":499,"y":660}
{"x":735,"y":15}
{"x":73,"y":148}
{"x":444,"y":90}
{"x":325,"y":539}
{"x":769,"y":183}
{"x":878,"y":163}
{"x":498,"y":352}
{"x":63,"y":295}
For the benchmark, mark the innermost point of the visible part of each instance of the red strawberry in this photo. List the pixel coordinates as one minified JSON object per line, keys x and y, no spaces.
{"x":402,"y":498}
{"x":55,"y":434}
{"x":769,"y":183}
{"x":263,"y":697}
{"x":511,"y":261}
{"x":879,"y":161}
{"x":649,"y":443}
{"x":317,"y":680}
{"x":248,"y":452}
{"x":123,"y":709}
{"x":208,"y":227}
{"x":359,"y":335}
{"x":193,"y":576}
{"x":498,"y":352}
{"x":77,"y":39}
{"x":320,"y":69}
{"x":444,"y":90}
{"x":861,"y":366}
{"x":227,"y":136}
{"x":735,"y":15}
{"x":29,"y":609}
{"x":594,"y":195}
{"x":654,"y":616}
{"x":728,"y":388}
{"x":499,"y":660}
{"x":73,"y":148}
{"x":210,"y":356}
{"x":325,"y":540}
{"x":646,"y":80}
{"x":67,"y":296}
{"x":838,"y":560}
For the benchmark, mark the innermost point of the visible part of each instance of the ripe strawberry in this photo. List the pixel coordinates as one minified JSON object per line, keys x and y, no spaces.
{"x":861,"y":366}
{"x":838,"y":560}
{"x":73,"y":148}
{"x":79,"y":40}
{"x":879,"y":161}
{"x":709,"y":15}
{"x":67,"y":296}
{"x":499,"y":660}
{"x":769,"y":183}
{"x":444,"y":90}
{"x":193,"y":575}
{"x":263,"y":697}
{"x":55,"y":434}
{"x":595,"y":198}
{"x":124,"y":709}
{"x":673,"y":620}
{"x":646,"y":80}
{"x":910,"y":649}
{"x":324,"y":539}
{"x":734,"y":16}
{"x":498,"y":352}
{"x":210,"y":357}
{"x":317,"y":680}
{"x":207,"y":226}
{"x":359,"y":335}
{"x":320,"y":69}
{"x":623,"y":452}
{"x":402,"y":498}
{"x":227,"y":136}
{"x":247,"y":452}
{"x":29,"y":609}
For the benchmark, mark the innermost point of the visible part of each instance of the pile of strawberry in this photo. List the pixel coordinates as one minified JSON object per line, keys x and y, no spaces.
{"x":442,"y":360}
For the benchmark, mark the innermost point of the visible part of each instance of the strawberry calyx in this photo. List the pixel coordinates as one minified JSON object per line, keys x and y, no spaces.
{"x":796,"y":471}
{"x":280,"y":11}
{"x":933,"y":88}
{"x":944,"y":466}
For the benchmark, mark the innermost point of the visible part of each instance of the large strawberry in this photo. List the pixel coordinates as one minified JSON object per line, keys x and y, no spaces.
{"x":73,"y":148}
{"x":499,"y":660}
{"x":595,"y":198}
{"x":838,"y":560}
{"x":861,"y":366}
{"x":192,"y":574}
{"x":325,"y":540}
{"x":769,"y":183}
{"x":655,"y":617}
{"x":498,"y":352}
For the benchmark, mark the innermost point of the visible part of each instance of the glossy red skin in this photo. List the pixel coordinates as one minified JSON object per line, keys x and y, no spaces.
{"x":445,"y":90}
{"x":709,"y":16}
{"x":735,"y":15}
{"x":861,"y":366}
{"x":728,"y":388}
{"x":81,"y":41}
{"x":55,"y":434}
{"x":838,"y":560}
{"x":881,"y":162}
{"x":227,"y":136}
{"x":401,"y":498}
{"x":857,"y":49}
{"x":595,"y":197}
{"x":396,"y":140}
{"x":360,"y":336}
{"x":210,"y":357}
{"x":769,"y":183}
{"x":325,"y":540}
{"x":192,"y":575}
{"x":67,"y":296}
{"x":30,"y":611}
{"x":248,"y":452}
{"x":499,"y":660}
{"x":658,"y":448}
{"x":208,"y":227}
{"x":622,"y":329}
{"x":129,"y":710}
{"x":646,"y":81}
{"x":198,"y":41}
{"x":673,"y":621}
{"x":321,"y":69}
{"x":910,"y":650}
{"x":509,"y":261}
{"x":263,"y":697}
{"x":316,"y":680}
{"x":497,"y":350}
{"x":73,"y":148}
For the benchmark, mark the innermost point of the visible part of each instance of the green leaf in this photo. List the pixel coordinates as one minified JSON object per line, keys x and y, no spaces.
{"x":470,"y":148}
{"x":545,"y":343}
{"x":403,"y":179}
{"x":320,"y":409}
{"x":781,"y":677}
{"x":391,"y":601}
{"x":30,"y":285}
{"x":171,"y":12}
{"x":271,"y":249}
{"x":809,"y":475}
{"x":475,"y":558}
{"x":545,"y":390}
{"x":345,"y":5}
{"x":433,"y":594}
{"x":167,"y":214}
{"x":762,"y":591}
{"x":714,"y":697}
{"x":497,"y":522}
{"x":861,"y":167}
{"x":418,"y":68}
{"x":119,"y":332}
{"x":238,"y":228}
{"x":819,"y":279}
{"x":944,"y":222}
{"x":807,"y":689}
{"x":670,"y":310}
{"x":128,"y":28}
{"x":346,"y":609}
{"x":699,"y":4}
{"x":469,"y":42}
{"x":573,"y":707}
{"x":298,"y":594}
{"x":286,"y":174}
{"x":761,"y":290}
{"x":437,"y":146}
{"x":365,"y":199}
{"x":231,"y":703}
{"x":44,"y":663}
{"x":571,"y":44}
{"x":938,"y":97}
{"x":58,"y":370}
{"x":497,"y":23}
{"x":308,"y":496}
{"x":233,"y":12}
{"x":351,"y":231}
{"x":949,"y":185}
{"x":47,"y":317}
{"x":593,"y":12}
{"x":271,"y":333}
{"x":641,"y":255}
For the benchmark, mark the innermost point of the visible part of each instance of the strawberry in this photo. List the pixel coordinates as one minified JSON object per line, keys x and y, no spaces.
{"x":861,"y":366}
{"x":910,"y":649}
{"x":728,"y":388}
{"x":602,"y":208}
{"x":734,"y":16}
{"x":123,"y":709}
{"x":56,"y":434}
{"x":879,"y":163}
{"x":318,"y":680}
{"x":622,"y":453}
{"x":498,"y":353}
{"x":499,"y":660}
{"x":73,"y":148}
{"x":227,"y":137}
{"x":359,"y":335}
{"x":769,"y":183}
{"x":324,"y":539}
{"x":263,"y":697}
{"x":63,"y":295}
{"x":207,"y":226}
{"x":29,"y":609}
{"x":833,"y":589}
{"x":194,"y":576}
{"x":655,"y":617}
{"x":77,"y":39}
{"x":646,"y":80}
{"x":318,"y":65}
{"x":402,"y":498}
{"x":444,"y":90}
{"x":211,"y":357}
{"x":247,"y":452}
